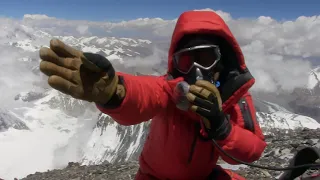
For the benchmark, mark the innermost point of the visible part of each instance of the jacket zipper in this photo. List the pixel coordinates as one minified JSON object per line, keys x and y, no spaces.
{"x":247,"y":118}
{"x":212,"y":152}
{"x":193,"y":145}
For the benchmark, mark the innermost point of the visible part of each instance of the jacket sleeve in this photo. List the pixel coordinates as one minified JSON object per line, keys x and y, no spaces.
{"x":245,"y":141}
{"x":145,"y":97}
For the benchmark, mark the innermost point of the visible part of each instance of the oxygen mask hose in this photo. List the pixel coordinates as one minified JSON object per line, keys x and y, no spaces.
{"x":181,"y":90}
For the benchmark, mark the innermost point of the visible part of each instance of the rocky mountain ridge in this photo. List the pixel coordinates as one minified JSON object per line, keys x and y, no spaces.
{"x":281,"y":148}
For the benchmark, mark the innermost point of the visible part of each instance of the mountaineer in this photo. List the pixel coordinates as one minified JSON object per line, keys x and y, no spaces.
{"x":179,"y":143}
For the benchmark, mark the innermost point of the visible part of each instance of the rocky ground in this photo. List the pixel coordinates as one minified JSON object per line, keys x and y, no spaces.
{"x":281,"y":147}
{"x":74,"y":171}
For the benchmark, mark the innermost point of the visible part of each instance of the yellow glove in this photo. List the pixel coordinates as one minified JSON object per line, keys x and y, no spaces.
{"x":86,"y":76}
{"x":206,"y":102}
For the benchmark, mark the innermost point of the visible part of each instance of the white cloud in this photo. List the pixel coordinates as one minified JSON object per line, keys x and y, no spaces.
{"x":143,"y":27}
{"x":270,"y":46}
{"x":15,"y":75}
{"x":273,"y":71}
{"x":37,"y":17}
{"x":82,"y":29}
{"x":224,"y":15}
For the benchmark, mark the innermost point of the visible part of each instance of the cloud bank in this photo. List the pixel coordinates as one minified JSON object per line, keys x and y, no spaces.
{"x":277,"y":52}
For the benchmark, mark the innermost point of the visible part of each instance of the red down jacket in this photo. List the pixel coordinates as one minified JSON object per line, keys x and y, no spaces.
{"x":172,"y":149}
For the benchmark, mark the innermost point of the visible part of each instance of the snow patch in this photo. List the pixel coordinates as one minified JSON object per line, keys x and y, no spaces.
{"x":134,"y":145}
{"x":284,"y":120}
{"x":26,"y":45}
{"x":100,"y":143}
{"x":114,"y":57}
{"x":314,"y":78}
{"x":86,"y":40}
{"x":26,"y":151}
{"x":232,"y":167}
{"x":91,"y":49}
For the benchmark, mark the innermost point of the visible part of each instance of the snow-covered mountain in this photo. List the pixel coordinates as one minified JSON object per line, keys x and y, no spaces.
{"x":9,"y":120}
{"x":307,"y":101}
{"x":54,"y":129}
{"x":277,"y":117}
{"x":103,"y":145}
{"x":281,"y":148}
{"x":314,"y":80}
{"x":112,"y":142}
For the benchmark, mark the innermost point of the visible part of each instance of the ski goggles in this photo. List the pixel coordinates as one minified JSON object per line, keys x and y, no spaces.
{"x":202,"y":56}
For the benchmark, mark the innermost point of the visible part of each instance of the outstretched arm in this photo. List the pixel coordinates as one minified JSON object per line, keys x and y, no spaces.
{"x":144,"y":98}
{"x":245,"y":141}
{"x":91,"y":77}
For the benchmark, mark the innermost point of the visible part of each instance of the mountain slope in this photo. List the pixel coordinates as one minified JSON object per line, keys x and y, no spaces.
{"x":36,"y":148}
{"x":112,"y":142}
{"x":314,"y":80}
{"x":281,"y":147}
{"x":9,"y":120}
{"x":307,"y":101}
{"x":57,"y":122}
{"x":274,"y":116}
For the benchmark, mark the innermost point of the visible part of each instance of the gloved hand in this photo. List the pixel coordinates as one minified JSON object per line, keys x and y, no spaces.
{"x":85,"y":76}
{"x":206,"y":102}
